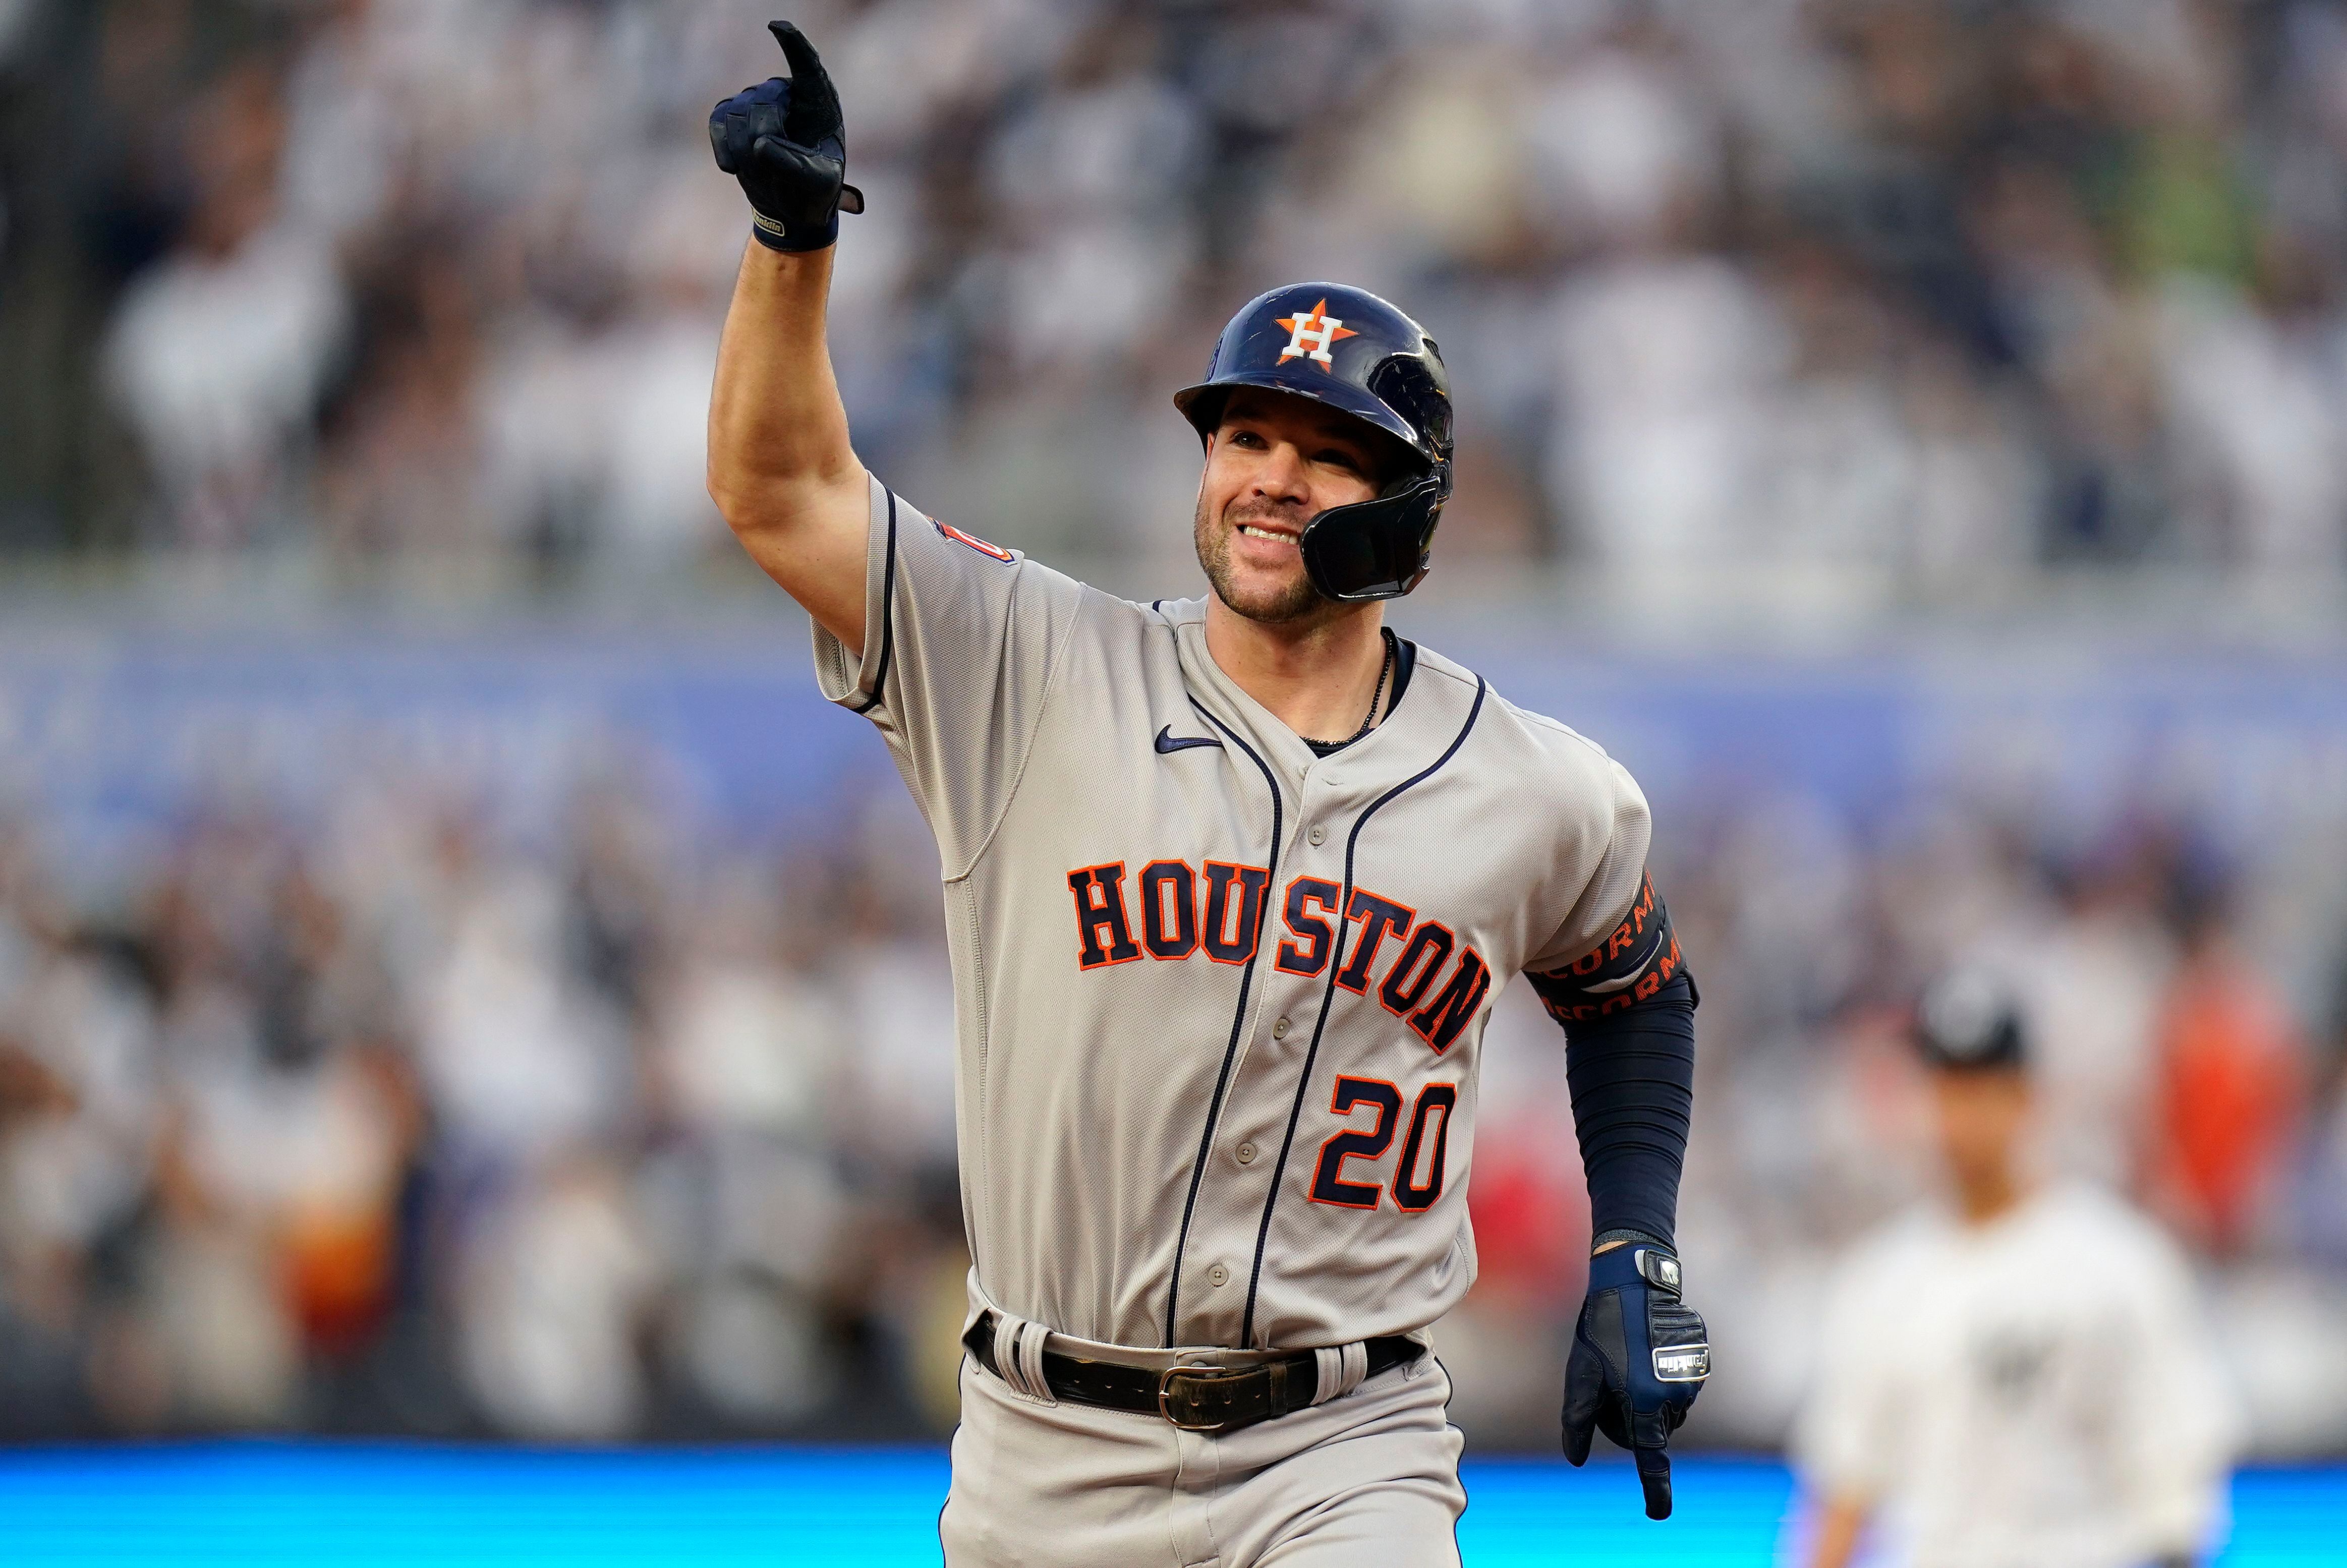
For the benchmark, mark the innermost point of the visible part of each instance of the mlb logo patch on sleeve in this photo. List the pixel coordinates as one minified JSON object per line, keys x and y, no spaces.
{"x":974,"y":542}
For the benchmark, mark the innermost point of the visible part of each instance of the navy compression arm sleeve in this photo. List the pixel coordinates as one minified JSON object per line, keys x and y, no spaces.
{"x":1628,"y":1012}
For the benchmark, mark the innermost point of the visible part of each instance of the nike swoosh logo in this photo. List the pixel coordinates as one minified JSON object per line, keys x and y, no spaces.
{"x":1167,"y":742}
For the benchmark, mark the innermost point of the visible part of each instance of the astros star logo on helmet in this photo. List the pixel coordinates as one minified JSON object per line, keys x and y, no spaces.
{"x":1318,"y":330}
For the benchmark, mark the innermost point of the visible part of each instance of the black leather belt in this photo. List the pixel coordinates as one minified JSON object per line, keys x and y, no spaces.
{"x":1196,"y":1398}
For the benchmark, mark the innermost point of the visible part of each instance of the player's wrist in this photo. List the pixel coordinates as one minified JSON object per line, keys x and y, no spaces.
{"x":778,"y":236}
{"x":1641,"y":1266}
{"x":1607,"y":1240}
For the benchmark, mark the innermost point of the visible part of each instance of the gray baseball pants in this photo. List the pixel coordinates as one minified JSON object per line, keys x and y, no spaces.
{"x":1368,"y":1479}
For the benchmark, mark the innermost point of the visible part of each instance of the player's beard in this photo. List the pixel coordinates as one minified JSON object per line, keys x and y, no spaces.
{"x":1276,"y":607}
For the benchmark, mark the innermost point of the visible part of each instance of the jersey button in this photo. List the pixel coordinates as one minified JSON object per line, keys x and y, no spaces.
{"x":1279,"y":1030}
{"x":1218,"y":1277}
{"x":1318,"y":836}
{"x":1247,"y":1154}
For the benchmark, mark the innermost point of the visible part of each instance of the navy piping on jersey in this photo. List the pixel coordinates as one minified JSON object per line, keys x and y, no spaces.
{"x":1328,"y":995}
{"x":1238,"y":1020}
{"x":887,"y":618}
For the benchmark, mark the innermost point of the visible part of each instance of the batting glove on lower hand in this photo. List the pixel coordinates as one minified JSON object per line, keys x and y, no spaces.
{"x":1639,"y":1359}
{"x":787,"y":144}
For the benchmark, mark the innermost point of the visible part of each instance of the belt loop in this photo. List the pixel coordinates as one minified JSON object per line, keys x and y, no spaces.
{"x":1018,"y":1355}
{"x":1030,"y":1360}
{"x":1341,"y":1368}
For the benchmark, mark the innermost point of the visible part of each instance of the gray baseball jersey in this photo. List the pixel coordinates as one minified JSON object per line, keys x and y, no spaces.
{"x":1219,"y":999}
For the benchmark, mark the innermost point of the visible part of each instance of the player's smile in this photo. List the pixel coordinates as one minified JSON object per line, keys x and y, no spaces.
{"x":1261,"y":556}
{"x":1268,"y":543}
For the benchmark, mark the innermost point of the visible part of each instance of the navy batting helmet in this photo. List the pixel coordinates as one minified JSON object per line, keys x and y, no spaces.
{"x":1350,"y":350}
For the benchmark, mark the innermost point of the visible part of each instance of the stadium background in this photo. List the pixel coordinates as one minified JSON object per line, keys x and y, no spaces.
{"x":457,"y":982}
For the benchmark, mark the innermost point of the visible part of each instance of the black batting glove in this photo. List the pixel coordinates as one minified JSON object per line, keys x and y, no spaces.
{"x":1639,"y":1359}
{"x":785,"y":141}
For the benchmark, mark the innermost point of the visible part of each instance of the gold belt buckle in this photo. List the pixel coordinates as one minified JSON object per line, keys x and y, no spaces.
{"x":1209,"y":1374}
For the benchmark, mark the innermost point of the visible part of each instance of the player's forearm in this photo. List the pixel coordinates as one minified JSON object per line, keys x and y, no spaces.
{"x":1840,"y":1522}
{"x":778,"y":443}
{"x":1631,"y":1074}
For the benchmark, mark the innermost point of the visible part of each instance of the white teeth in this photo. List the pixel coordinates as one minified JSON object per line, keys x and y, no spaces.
{"x":1262,"y":533}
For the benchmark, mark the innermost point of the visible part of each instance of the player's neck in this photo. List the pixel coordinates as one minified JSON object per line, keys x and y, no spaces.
{"x":1988,"y":1197}
{"x":1317,"y":678}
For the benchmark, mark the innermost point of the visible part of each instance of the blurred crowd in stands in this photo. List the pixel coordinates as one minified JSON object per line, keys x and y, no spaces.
{"x":381,"y":1124}
{"x":391,"y":1116}
{"x":1940,"y":289}
{"x":391,"y":1120}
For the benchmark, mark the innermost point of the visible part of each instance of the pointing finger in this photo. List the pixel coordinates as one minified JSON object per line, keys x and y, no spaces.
{"x":803,"y":61}
{"x":812,"y":114}
{"x":1654,"y":1475}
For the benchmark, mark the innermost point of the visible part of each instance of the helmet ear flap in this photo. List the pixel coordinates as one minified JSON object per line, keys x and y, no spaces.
{"x":1377,"y":549}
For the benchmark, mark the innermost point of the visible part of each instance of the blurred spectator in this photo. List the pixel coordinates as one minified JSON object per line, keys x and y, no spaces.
{"x":553,"y":1295}
{"x":2230,"y":1091}
{"x":220,"y":353}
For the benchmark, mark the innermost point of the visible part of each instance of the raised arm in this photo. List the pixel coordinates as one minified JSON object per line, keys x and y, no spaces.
{"x":780,"y":465}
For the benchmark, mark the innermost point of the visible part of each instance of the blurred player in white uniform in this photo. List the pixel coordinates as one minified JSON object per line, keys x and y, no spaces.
{"x":2018,"y":1377}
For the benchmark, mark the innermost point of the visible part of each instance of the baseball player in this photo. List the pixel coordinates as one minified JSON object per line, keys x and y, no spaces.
{"x":1229,"y":885}
{"x":2020,"y":1379}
